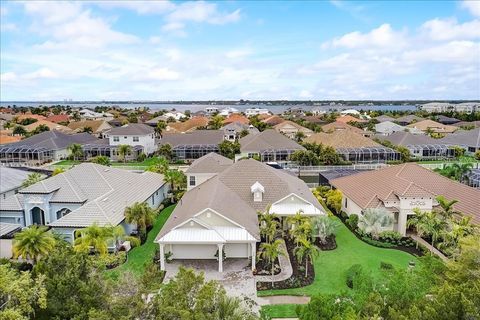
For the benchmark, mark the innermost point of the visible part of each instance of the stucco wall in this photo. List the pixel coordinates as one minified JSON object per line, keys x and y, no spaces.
{"x":12,"y":217}
{"x":147,"y":141}
{"x":199,"y":179}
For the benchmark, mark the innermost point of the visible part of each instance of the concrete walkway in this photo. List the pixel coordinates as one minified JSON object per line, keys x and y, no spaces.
{"x":429,"y":246}
{"x":286,"y":270}
{"x":263,"y":301}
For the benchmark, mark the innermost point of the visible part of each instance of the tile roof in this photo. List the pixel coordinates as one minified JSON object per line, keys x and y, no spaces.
{"x":433,"y":125}
{"x":341,"y":139}
{"x":408,"y":179}
{"x":348,"y":118}
{"x":236,"y":118}
{"x":50,"y":125}
{"x":272,"y":120}
{"x":210,"y":163}
{"x":267,"y":140}
{"x":469,"y":138}
{"x":187,"y":126}
{"x":337,"y":125}
{"x":409,"y":118}
{"x":475,"y":124}
{"x":132,"y":129}
{"x":13,"y":203}
{"x":31,"y":116}
{"x":196,"y":137}
{"x":403,"y":138}
{"x":11,"y":178}
{"x":290,"y":124}
{"x":54,"y":140}
{"x":7,"y":228}
{"x":384,"y":118}
{"x":97,"y":126}
{"x":59,"y":118}
{"x":4,"y":139}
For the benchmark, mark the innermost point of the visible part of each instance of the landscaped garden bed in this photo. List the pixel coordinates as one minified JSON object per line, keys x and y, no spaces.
{"x":263,"y":268}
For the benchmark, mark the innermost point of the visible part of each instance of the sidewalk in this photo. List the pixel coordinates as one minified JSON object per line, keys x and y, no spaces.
{"x":429,"y":246}
{"x":286,"y":270}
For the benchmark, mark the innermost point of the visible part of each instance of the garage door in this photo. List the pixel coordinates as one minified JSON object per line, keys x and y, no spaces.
{"x":194,"y":251}
{"x":236,"y":250}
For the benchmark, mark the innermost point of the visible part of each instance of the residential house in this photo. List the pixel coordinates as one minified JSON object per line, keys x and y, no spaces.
{"x":354,"y":147}
{"x":256,"y":111}
{"x":59,"y":118}
{"x":273,"y":120}
{"x":193,"y":145}
{"x":24,"y":116}
{"x":348,"y":118}
{"x":236,"y":118}
{"x":233,"y":130}
{"x":350,"y":112}
{"x":11,"y":181}
{"x":43,"y":147}
{"x":384,"y":118}
{"x":469,"y":140}
{"x":133,"y":134}
{"x":387,"y":127}
{"x":406,"y":120}
{"x":87,"y":114}
{"x":51,"y":126}
{"x":290,"y":129}
{"x":317,"y":111}
{"x":219,"y":216}
{"x":467,"y":124}
{"x":446,"y":120}
{"x":85,"y":195}
{"x":188,"y":125}
{"x":401,"y":189}
{"x":268,"y":145}
{"x":228,"y":111}
{"x":175,"y":115}
{"x":205,"y":168}
{"x":340,"y":126}
{"x":432,"y":126}
{"x":153,"y":122}
{"x":98,"y":127}
{"x":6,"y":139}
{"x":210,"y":110}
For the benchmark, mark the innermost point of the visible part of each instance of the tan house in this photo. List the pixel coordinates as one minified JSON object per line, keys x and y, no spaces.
{"x":51,"y":125}
{"x":402,"y":188}
{"x":338,"y":126}
{"x":341,"y":139}
{"x":98,"y":126}
{"x":433,"y":126}
{"x":187,"y":126}
{"x":290,"y":129}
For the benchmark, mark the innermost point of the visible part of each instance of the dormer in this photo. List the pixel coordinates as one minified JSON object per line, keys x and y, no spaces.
{"x":257,"y":189}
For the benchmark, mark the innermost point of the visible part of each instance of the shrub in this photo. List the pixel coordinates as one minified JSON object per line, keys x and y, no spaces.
{"x":377,"y":243}
{"x":352,"y":273}
{"x":352,"y":221}
{"x":392,"y":235}
{"x":386,"y":265}
{"x":344,"y":215}
{"x":110,"y":261}
{"x":152,"y":277}
{"x":141,"y":157}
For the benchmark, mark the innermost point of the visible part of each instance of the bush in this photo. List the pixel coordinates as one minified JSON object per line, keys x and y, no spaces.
{"x":352,"y":221}
{"x":386,"y":265}
{"x":377,"y":243}
{"x":344,"y":215}
{"x":392,"y":235}
{"x":352,"y":273}
{"x":111,"y":261}
{"x":141,"y":157}
{"x":152,"y":277}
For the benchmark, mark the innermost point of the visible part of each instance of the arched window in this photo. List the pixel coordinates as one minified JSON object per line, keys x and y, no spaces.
{"x":63,"y":212}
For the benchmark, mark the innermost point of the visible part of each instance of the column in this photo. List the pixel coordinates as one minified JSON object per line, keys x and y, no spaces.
{"x":162,"y":257}
{"x":254,"y":254}
{"x":220,"y":257}
{"x":402,"y":223}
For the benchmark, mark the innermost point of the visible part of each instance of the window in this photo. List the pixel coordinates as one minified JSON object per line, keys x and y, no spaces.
{"x":116,"y":139}
{"x":346,"y":203}
{"x":192,"y":180}
{"x":63,"y":212}
{"x":135,"y":139}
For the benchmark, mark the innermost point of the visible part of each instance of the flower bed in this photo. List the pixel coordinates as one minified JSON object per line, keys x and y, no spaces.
{"x":330,"y":243}
{"x":297,"y":279}
{"x":263,"y":268}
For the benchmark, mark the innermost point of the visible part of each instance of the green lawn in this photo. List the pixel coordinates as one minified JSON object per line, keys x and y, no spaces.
{"x":331,"y":266}
{"x":279,"y":311}
{"x":139,"y":255}
{"x":146,"y":163}
{"x":66,"y":163}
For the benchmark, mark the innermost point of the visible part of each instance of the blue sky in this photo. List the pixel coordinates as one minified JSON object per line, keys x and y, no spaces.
{"x":149,"y":50}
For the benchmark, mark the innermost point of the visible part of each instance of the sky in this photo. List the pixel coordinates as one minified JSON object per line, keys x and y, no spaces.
{"x":257,"y":50}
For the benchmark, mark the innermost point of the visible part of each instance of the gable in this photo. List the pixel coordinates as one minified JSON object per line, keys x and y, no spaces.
{"x":191,"y":224}
{"x":212,"y":218}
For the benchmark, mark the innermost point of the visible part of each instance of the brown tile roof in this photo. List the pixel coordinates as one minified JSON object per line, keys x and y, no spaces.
{"x":341,"y":139}
{"x":9,"y":139}
{"x":267,"y":140}
{"x":408,"y":179}
{"x":236,"y":118}
{"x":31,"y":116}
{"x":50,"y":125}
{"x":340,"y":126}
{"x":210,"y":163}
{"x":285,"y":124}
{"x":348,"y":118}
{"x":59,"y":118}
{"x":273,"y":120}
{"x":187,"y":126}
{"x":433,"y":125}
{"x":96,"y":125}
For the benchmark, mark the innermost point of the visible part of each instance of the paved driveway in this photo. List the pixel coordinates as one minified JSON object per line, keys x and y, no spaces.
{"x":237,"y":277}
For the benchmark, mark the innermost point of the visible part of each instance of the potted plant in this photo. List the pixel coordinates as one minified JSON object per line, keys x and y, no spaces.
{"x":168,"y":256}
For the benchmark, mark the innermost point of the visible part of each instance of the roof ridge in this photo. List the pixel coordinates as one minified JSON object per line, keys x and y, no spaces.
{"x":70,"y":184}
{"x":101,"y":175}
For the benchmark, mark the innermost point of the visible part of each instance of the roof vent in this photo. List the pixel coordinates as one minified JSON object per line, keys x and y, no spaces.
{"x":257,"y":189}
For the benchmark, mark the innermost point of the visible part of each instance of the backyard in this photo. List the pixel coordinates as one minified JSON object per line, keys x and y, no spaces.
{"x":331,"y":267}
{"x":146,"y":163}
{"x":138,"y":256}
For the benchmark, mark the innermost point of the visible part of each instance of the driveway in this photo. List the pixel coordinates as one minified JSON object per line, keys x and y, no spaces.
{"x":236,"y":278}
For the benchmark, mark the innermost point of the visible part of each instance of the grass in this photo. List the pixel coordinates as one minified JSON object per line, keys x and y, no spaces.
{"x":279,"y":311}
{"x":144,"y":253}
{"x":66,"y":163}
{"x":331,"y":266}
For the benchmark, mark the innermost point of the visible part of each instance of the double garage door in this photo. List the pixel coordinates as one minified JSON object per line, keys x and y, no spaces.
{"x":207,"y":251}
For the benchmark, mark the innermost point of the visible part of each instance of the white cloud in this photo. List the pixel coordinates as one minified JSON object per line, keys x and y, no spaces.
{"x":473,"y":6}
{"x":446,"y":29}
{"x":43,"y":73}
{"x":382,"y":37}
{"x":157,"y":74}
{"x":141,"y":7}
{"x":238,"y":53}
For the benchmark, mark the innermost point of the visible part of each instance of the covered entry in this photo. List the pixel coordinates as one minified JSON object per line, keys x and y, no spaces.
{"x":38,"y":216}
{"x":193,"y":251}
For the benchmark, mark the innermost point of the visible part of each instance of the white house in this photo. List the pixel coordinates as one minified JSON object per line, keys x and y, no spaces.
{"x":218,"y":216}
{"x":86,"y":194}
{"x":174,"y":114}
{"x":211,"y":110}
{"x":256,"y":111}
{"x":352,"y":112}
{"x":133,"y":134}
{"x":228,"y":111}
{"x":88,"y":114}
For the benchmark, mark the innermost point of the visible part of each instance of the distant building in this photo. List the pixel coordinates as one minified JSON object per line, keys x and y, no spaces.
{"x":228,"y":111}
{"x":256,"y":111}
{"x":211,"y":110}
{"x":88,"y":114}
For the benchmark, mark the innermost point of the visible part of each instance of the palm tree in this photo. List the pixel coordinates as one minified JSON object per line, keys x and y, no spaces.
{"x":306,"y":250}
{"x":161,"y":166}
{"x":435,"y":226}
{"x":93,"y":238}
{"x":374,"y":220}
{"x":123,"y":151}
{"x":299,"y":136}
{"x":141,"y":215}
{"x":323,"y":227}
{"x":419,"y":222}
{"x":176,"y":178}
{"x":57,"y":171}
{"x":216,"y":122}
{"x":118,"y":236}
{"x":296,"y":219}
{"x":231,"y":308}
{"x":300,"y":232}
{"x":32,"y":179}
{"x":75,"y":150}
{"x":461,"y":170}
{"x":268,"y":224}
{"x":33,"y":242}
{"x":271,"y":251}
{"x":447,"y":207}
{"x":161,"y":125}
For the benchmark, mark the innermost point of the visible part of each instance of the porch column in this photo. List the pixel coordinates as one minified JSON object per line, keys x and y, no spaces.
{"x":162,"y":257}
{"x":254,"y":253}
{"x":402,"y":223}
{"x":220,"y":257}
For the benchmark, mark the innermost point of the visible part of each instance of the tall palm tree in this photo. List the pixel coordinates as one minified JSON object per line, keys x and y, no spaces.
{"x":435,"y":226}
{"x":307,"y":250}
{"x":270,"y":252}
{"x":302,"y":231}
{"x":75,"y":150}
{"x":33,"y":242}
{"x":94,"y":238}
{"x":461,"y":170}
{"x":142,"y":215}
{"x":447,"y":207}
{"x":175,"y":178}
{"x":161,"y":125}
{"x":32,"y":178}
{"x":161,"y":166}
{"x":296,"y":219}
{"x":419,"y":222}
{"x":374,"y":220}
{"x":123,"y":151}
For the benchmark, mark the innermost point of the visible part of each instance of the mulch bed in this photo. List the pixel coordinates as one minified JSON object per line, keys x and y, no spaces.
{"x":330,"y":244}
{"x":263,"y":268}
{"x":297,"y":279}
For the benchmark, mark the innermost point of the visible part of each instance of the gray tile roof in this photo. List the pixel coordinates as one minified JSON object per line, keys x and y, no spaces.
{"x":403,"y":138}
{"x":104,"y":191}
{"x":384,"y":118}
{"x":196,"y":137}
{"x":469,"y":138}
{"x":132,"y":129}
{"x":409,"y":119}
{"x":267,"y":140}
{"x":238,"y":127}
{"x":12,"y":203}
{"x":54,"y":140}
{"x":6,"y":228}
{"x":229,"y":194}
{"x":210,"y":163}
{"x":11,"y":178}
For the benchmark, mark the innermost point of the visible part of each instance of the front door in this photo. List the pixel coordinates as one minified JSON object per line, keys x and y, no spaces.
{"x":38,"y":216}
